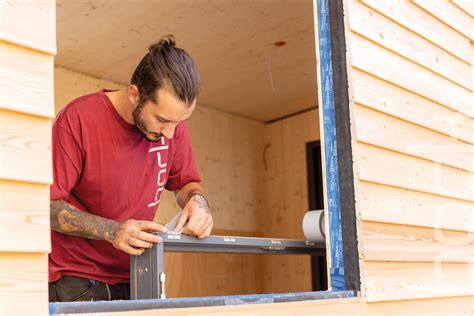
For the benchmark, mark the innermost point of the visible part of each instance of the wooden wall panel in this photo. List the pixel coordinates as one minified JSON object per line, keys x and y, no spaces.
{"x":214,"y":274}
{"x":390,"y":281}
{"x":23,"y":283}
{"x":420,"y":22}
{"x":388,"y":242}
{"x":465,"y":5}
{"x":387,"y":33}
{"x":395,"y":205}
{"x":388,"y":132}
{"x":388,"y":98}
{"x":24,"y":207}
{"x":395,"y":169}
{"x":29,"y":23}
{"x":25,"y":147}
{"x":26,"y":80}
{"x":286,"y":198}
{"x":454,"y":17}
{"x":373,"y":59}
{"x":411,"y":85}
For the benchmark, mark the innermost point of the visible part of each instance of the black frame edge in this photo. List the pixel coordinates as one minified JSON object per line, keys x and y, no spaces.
{"x":344,"y":147}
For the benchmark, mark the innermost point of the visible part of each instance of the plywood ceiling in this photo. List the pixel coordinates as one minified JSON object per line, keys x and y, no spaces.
{"x":232,"y":42}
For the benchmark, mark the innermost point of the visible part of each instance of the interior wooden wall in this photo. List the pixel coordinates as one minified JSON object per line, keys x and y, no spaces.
{"x":27,"y":45}
{"x":412,"y":115}
{"x":286,"y":198}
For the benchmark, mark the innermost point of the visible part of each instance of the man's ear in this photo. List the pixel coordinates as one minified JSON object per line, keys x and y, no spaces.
{"x":133,"y":94}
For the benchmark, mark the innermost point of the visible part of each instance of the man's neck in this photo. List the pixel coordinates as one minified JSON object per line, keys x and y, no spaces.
{"x":122,"y":104}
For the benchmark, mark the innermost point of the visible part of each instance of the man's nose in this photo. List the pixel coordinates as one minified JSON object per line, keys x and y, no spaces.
{"x":168,"y":131}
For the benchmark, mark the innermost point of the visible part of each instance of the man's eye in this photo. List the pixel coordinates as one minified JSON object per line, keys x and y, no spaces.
{"x":162,"y":120}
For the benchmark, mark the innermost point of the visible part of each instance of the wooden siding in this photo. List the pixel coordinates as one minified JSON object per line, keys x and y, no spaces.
{"x":411,"y":88}
{"x":27,"y":44}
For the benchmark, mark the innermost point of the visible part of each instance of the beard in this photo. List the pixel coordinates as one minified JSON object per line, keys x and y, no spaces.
{"x":141,"y":125}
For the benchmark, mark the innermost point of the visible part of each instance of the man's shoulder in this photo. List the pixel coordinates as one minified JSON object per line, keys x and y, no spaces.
{"x":80,"y":108}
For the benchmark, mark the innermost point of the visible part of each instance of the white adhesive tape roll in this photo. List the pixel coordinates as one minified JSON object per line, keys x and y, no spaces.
{"x":314,"y":226}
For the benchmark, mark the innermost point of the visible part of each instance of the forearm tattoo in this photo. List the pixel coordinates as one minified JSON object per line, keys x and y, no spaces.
{"x":201,"y":200}
{"x":67,"y":219}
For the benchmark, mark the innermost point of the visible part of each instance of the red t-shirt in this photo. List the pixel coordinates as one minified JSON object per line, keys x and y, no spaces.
{"x":104,"y":166}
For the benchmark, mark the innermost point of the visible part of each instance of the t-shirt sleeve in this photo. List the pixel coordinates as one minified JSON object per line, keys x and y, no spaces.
{"x":183,"y":168}
{"x":67,"y":162}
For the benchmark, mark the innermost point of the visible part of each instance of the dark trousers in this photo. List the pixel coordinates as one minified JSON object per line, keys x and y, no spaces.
{"x":71,"y":288}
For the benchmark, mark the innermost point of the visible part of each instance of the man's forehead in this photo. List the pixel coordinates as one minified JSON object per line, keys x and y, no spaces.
{"x":170,"y":107}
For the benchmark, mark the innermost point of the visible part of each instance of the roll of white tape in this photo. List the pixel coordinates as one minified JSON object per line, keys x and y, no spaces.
{"x":314,"y":226}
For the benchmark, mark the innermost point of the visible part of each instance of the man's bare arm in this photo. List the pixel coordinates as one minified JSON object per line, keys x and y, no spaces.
{"x":67,"y":219}
{"x":130,"y":236}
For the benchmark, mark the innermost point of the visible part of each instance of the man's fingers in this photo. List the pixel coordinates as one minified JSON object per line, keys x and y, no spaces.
{"x":151,"y":226}
{"x":194,"y":224}
{"x":132,"y":250}
{"x":139,"y":243}
{"x":181,"y":221}
{"x":148,"y":237}
{"x":206,"y":233}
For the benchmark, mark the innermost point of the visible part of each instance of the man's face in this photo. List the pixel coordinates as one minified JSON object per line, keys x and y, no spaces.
{"x":160,"y":119}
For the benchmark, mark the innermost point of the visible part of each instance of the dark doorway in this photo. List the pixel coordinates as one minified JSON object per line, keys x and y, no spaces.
{"x":316,"y":202}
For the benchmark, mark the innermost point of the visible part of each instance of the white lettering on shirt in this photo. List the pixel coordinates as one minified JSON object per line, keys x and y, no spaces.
{"x":161,"y":179}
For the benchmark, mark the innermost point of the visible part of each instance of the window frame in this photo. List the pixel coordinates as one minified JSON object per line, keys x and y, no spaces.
{"x":339,"y":197}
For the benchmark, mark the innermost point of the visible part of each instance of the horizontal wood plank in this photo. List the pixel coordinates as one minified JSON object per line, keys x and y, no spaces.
{"x":413,"y":18}
{"x":466,"y":5}
{"x":384,"y":64}
{"x":383,"y":96}
{"x":402,"y":206}
{"x":449,"y":14}
{"x":400,"y":170}
{"x":29,"y":23}
{"x":23,"y":284}
{"x":385,"y":32}
{"x":389,"y":281}
{"x":331,"y":307}
{"x":26,"y":81}
{"x":385,"y":131}
{"x":25,"y":145}
{"x":24,"y":217}
{"x":388,"y":242}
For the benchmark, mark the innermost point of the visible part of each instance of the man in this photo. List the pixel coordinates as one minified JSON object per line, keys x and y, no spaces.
{"x":113,"y":154}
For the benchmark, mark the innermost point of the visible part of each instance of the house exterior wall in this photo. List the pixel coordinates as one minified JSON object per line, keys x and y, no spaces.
{"x":27,"y":46}
{"x":411,"y":90}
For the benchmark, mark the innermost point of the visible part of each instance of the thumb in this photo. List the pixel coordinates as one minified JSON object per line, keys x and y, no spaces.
{"x":181,"y":222}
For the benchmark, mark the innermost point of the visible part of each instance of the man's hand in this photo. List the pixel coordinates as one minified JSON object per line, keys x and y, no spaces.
{"x":134,"y":236}
{"x":197,"y":217}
